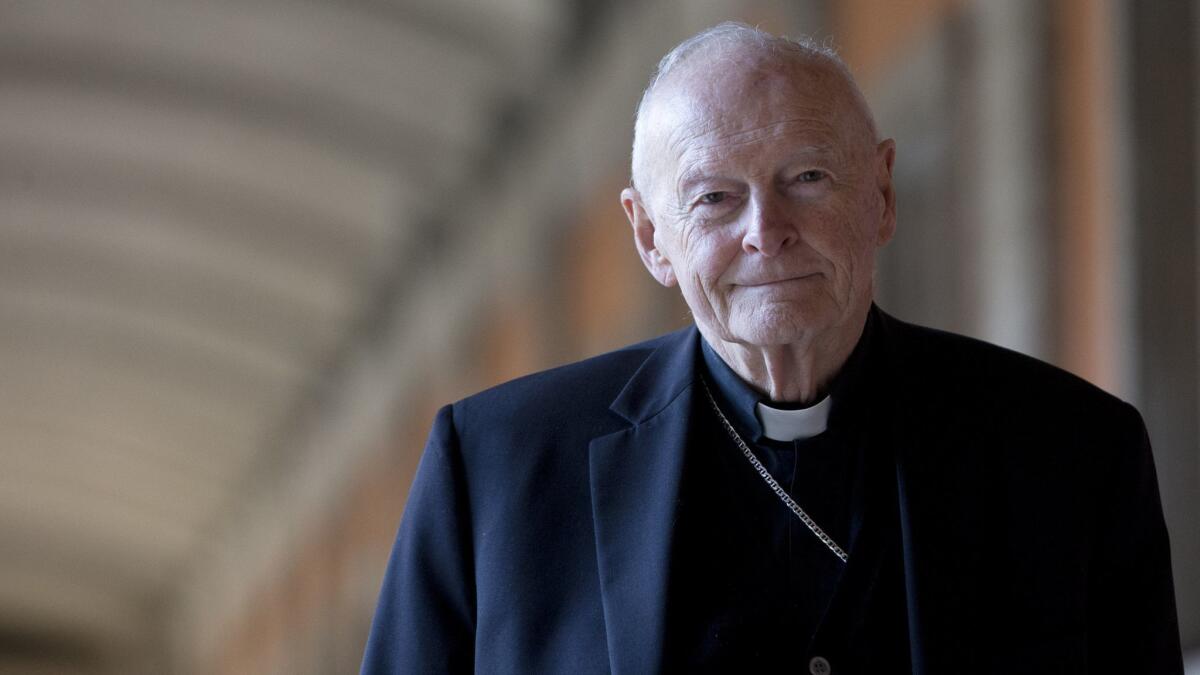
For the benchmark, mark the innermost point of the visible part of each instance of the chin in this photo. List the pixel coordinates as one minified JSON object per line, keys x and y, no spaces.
{"x":775,"y":325}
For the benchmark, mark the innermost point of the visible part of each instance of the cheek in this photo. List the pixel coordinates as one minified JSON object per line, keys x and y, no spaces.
{"x":717,"y":257}
{"x":710,"y":252}
{"x":847,"y":237}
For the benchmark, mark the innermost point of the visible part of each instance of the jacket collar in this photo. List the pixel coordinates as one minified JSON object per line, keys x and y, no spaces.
{"x":662,"y":377}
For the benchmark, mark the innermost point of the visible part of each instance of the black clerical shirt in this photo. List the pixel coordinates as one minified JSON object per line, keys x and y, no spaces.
{"x":751,"y":584}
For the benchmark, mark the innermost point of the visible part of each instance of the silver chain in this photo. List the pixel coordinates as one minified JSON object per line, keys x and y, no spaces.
{"x":774,"y":484}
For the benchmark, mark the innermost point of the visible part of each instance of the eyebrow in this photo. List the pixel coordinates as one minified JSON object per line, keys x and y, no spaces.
{"x":691,"y":179}
{"x":695,"y":176}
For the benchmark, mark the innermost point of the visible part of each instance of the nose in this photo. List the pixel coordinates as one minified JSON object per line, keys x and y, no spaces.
{"x":771,"y":227}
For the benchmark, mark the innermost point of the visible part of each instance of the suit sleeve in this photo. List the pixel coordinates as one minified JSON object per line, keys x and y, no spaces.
{"x":1134,"y":628}
{"x":425,"y":619}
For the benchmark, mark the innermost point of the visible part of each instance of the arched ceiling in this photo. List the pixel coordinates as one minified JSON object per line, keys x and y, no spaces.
{"x":198,"y":201}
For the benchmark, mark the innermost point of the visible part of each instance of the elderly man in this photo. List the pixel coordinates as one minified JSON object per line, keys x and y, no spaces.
{"x":799,"y":481}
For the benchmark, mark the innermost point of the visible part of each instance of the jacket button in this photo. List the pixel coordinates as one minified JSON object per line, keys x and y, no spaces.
{"x":819,"y":665}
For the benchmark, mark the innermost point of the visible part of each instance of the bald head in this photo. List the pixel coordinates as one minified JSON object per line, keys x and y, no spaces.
{"x":760,"y":190}
{"x":732,"y":56}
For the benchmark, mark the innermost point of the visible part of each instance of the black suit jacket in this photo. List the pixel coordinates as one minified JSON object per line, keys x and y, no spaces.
{"x":537,"y":535}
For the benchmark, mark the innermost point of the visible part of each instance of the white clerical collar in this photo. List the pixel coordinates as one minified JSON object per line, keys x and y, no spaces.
{"x":779,"y":424}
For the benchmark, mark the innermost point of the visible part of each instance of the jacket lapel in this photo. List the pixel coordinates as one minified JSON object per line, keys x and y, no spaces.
{"x":635,"y":475}
{"x":943,"y":504}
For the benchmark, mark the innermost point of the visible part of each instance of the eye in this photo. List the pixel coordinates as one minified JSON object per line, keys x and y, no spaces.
{"x":810,"y":176}
{"x":713,"y":197}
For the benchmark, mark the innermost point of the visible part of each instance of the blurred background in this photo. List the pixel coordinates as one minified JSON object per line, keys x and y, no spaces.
{"x":248,"y":247}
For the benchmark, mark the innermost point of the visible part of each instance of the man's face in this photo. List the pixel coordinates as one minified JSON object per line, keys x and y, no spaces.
{"x":765,"y":200}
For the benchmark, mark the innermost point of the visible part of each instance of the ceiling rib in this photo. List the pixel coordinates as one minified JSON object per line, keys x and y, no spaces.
{"x":183,"y":457}
{"x":106,"y":235}
{"x":335,"y":186}
{"x":410,"y":78}
{"x":206,"y":201}
{"x":420,"y":155}
{"x":72,"y":451}
{"x":156,"y":416}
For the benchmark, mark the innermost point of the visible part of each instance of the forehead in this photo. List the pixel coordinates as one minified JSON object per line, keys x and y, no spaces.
{"x":722,"y":108}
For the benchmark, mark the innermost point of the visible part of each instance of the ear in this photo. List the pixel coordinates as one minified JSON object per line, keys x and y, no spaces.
{"x":885,"y":158}
{"x":644,"y":232}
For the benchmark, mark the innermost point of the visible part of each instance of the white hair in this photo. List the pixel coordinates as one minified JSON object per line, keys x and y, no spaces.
{"x":727,"y":37}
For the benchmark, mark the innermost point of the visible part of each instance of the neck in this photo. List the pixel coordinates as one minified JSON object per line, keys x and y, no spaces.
{"x":798,"y":372}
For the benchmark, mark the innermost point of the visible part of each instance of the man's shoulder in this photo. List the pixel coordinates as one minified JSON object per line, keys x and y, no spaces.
{"x":953,"y":367}
{"x":574,"y":389}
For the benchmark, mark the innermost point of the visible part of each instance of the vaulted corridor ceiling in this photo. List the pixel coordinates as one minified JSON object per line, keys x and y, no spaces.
{"x":198,"y":203}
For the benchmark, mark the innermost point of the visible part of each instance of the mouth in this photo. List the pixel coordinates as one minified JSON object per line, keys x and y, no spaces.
{"x":774,"y":282}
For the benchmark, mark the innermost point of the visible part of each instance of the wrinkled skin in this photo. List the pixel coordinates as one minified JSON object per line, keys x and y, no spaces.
{"x":762,"y":193}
